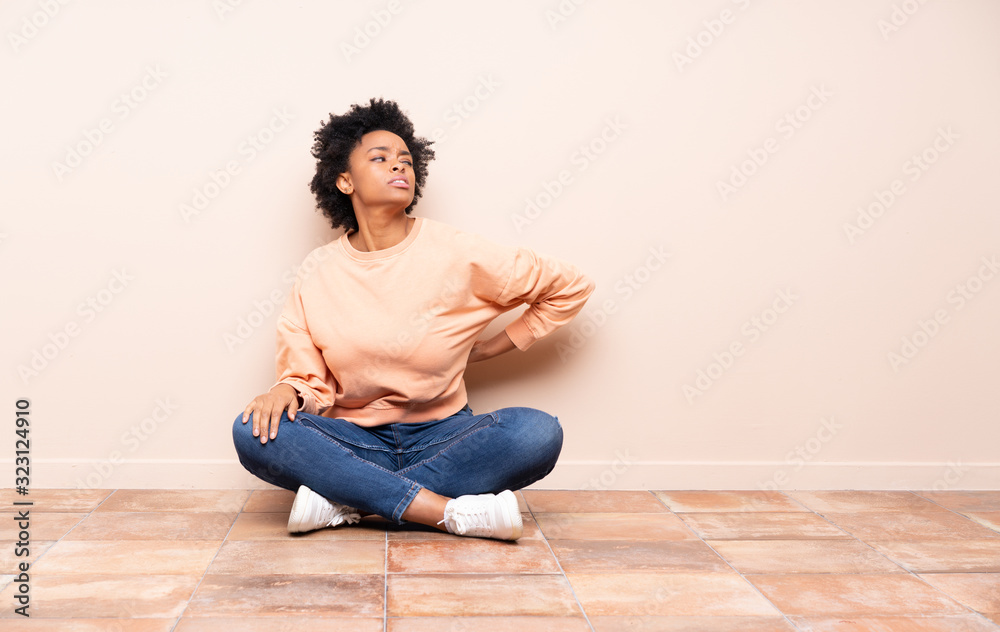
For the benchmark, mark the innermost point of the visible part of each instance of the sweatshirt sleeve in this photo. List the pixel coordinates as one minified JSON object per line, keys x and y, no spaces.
{"x":554,"y":290}
{"x":299,"y":362}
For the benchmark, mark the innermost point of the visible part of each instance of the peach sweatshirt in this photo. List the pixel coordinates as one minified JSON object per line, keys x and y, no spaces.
{"x":382,"y":337}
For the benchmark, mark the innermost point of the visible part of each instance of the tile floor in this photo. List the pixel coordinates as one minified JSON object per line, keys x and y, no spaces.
{"x":160,"y":560}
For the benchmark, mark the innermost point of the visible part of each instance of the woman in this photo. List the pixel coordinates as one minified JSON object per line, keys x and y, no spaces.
{"x":373,"y":343}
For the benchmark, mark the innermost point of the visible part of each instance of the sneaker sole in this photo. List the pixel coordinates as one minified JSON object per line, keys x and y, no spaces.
{"x":517,"y":525}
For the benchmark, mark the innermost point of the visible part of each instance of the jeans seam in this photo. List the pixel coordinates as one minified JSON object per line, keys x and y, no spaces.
{"x":413,"y":484}
{"x":400,"y":509}
{"x":310,"y":424}
{"x":495,"y":421}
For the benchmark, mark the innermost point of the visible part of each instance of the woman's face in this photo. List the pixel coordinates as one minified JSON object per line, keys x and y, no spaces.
{"x":380,"y":172}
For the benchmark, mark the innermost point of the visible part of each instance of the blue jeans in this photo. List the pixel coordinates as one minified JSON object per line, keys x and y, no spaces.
{"x":381,"y":469}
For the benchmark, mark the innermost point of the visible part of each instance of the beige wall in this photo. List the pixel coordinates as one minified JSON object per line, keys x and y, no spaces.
{"x":753,"y":325}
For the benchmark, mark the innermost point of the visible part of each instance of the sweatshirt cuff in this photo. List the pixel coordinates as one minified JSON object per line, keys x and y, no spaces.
{"x":520,"y":334}
{"x":310,"y":405}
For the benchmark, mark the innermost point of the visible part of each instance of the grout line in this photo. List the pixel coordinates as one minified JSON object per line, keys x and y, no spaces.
{"x":545,"y":539}
{"x":225,"y":538}
{"x":721,"y":557}
{"x":892,"y":561}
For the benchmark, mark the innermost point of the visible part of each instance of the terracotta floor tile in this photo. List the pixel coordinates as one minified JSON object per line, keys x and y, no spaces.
{"x":979,"y":591}
{"x":562,"y":501}
{"x":274,"y":526}
{"x":9,"y":549}
{"x":285,"y":623}
{"x":54,"y":500}
{"x":963,"y":501}
{"x":344,"y":595}
{"x":761,"y":526}
{"x":989,"y":519}
{"x":129,"y":557}
{"x":95,"y":625}
{"x":229,"y":501}
{"x":299,"y":557}
{"x":509,"y":595}
{"x":958,"y":623}
{"x":859,"y":501}
{"x":613,"y":526}
{"x":470,"y":555}
{"x":487,"y":624}
{"x":943,"y":556}
{"x":690,"y":624}
{"x":270,"y":501}
{"x":617,"y":556}
{"x":726,"y":501}
{"x":668,"y":594}
{"x":41,"y":526}
{"x":853,"y":595}
{"x":911,"y":526}
{"x":803,"y":556}
{"x":99,"y":596}
{"x":113,"y":525}
{"x":414,"y":531}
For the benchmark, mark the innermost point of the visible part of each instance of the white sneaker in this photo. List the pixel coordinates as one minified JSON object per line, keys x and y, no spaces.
{"x":311,"y":511}
{"x":484,"y":516}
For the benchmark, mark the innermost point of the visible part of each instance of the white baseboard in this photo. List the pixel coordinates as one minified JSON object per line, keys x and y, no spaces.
{"x":568,"y":474}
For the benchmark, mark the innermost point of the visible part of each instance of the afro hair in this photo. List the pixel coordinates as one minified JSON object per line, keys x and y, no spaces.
{"x":338,"y":137}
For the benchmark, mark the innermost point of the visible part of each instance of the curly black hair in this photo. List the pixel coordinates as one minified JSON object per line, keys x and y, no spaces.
{"x":338,"y":137}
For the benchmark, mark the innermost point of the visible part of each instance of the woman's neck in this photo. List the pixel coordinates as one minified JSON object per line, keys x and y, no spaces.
{"x":379,"y":233}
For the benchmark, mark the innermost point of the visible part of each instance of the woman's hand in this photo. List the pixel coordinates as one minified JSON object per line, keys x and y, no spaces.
{"x":267,"y":408}
{"x":486,"y":349}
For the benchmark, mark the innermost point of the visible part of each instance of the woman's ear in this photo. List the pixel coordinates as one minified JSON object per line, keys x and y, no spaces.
{"x":344,"y":184}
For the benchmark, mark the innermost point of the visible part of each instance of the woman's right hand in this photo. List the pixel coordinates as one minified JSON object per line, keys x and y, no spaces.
{"x":267,"y":408}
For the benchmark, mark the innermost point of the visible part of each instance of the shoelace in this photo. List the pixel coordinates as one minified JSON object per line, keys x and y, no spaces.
{"x":349,"y":515}
{"x":469,"y":520}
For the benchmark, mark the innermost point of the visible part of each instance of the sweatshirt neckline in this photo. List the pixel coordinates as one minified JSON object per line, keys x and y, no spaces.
{"x":385,"y":253}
